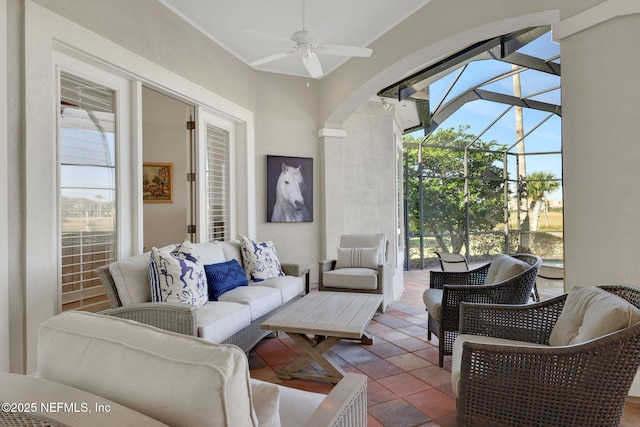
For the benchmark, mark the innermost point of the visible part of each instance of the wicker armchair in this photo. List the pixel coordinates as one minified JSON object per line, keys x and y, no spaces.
{"x":469,"y":286}
{"x":574,"y":385}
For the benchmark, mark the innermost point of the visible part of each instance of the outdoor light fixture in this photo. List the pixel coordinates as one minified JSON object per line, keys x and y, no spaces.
{"x":385,"y":105}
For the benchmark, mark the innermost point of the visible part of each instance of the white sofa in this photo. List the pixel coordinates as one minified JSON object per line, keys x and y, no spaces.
{"x":172,"y":378}
{"x":234,"y":319}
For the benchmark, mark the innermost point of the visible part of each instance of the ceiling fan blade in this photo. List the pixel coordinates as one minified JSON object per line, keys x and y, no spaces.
{"x":312,"y":64}
{"x":344,"y":50}
{"x":269,"y":36}
{"x":271,"y":58}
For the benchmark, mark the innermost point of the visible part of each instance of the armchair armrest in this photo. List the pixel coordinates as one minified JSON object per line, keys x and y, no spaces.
{"x":296,"y":270}
{"x":327,"y":265}
{"x":472,"y":277}
{"x":531,"y":323}
{"x":344,"y":406}
{"x":174,"y":317}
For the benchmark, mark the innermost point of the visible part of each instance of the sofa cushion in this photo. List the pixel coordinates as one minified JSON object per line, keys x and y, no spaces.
{"x":178,"y":276}
{"x":456,"y":359}
{"x":297,"y":406}
{"x":131,"y":277}
{"x":223,"y":277}
{"x":433,"y":302}
{"x":260,"y":299}
{"x":176,"y":379}
{"x":357,"y":258}
{"x":290,"y":286}
{"x":260,"y":260}
{"x":504,"y":267}
{"x":590,"y":312}
{"x":218,"y":320}
{"x":211,"y":252}
{"x":351,"y":278}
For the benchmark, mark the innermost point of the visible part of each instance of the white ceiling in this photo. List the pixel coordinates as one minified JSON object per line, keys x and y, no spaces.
{"x":355,"y":23}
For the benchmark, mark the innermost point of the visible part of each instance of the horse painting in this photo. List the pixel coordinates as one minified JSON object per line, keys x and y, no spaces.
{"x":290,"y":205}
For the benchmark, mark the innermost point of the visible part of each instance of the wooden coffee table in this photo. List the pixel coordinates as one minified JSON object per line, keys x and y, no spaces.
{"x":328,"y":317}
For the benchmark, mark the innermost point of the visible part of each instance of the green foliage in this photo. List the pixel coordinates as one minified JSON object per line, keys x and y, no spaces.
{"x":443,"y":174}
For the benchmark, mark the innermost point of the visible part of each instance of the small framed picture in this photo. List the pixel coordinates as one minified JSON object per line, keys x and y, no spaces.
{"x":157,"y":182}
{"x":289,"y":189}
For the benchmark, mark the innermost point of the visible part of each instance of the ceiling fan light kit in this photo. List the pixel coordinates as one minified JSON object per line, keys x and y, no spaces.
{"x":308,"y":44}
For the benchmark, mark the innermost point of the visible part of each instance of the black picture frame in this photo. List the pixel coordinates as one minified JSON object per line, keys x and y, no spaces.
{"x":293,"y":201}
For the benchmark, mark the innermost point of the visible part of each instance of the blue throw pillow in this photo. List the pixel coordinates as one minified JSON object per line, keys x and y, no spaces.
{"x":223,"y":277}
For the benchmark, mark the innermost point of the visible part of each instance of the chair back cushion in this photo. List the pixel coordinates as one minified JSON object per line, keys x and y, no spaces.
{"x":504,"y":267}
{"x":366,"y":241}
{"x":177,"y":379}
{"x":357,"y":258}
{"x":590,"y":312}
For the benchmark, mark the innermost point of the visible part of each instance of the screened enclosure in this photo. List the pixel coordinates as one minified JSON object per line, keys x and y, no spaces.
{"x":483,"y":169}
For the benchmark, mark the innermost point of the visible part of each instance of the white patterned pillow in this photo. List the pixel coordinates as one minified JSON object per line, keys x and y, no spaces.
{"x":357,"y":258}
{"x":260,"y":260}
{"x":177,"y":276}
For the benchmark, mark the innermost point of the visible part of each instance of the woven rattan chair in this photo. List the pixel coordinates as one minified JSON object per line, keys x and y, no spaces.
{"x":470,"y":286}
{"x":575,"y":385}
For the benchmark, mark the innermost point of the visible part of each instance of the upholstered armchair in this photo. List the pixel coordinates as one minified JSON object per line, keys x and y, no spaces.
{"x":566,"y":361}
{"x":507,"y":279}
{"x":361,"y":266}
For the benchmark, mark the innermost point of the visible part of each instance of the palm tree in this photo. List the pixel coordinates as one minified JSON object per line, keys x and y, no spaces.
{"x":539,"y":185}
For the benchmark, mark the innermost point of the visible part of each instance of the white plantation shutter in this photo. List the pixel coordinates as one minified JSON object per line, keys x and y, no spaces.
{"x":87,"y":190}
{"x":217,"y":187}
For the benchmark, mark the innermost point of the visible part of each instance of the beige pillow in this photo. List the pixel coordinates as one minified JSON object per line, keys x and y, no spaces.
{"x":504,"y":267}
{"x":590,"y":312}
{"x":357,"y":258}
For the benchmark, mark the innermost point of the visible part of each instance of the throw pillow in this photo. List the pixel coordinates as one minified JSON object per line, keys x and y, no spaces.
{"x":260,"y":260}
{"x":223,"y":277}
{"x":177,"y":276}
{"x":357,"y":258}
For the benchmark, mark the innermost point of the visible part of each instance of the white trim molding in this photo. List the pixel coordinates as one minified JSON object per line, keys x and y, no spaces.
{"x":333,"y":133}
{"x":603,"y":12}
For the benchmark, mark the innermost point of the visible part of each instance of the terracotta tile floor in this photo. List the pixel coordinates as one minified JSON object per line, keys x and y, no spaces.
{"x":406,"y":386}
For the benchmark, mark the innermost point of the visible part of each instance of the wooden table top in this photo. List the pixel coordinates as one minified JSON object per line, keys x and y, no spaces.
{"x":335,"y":314}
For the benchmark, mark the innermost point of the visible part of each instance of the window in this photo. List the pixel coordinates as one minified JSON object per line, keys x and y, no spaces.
{"x":217,"y":183}
{"x":87,"y":190}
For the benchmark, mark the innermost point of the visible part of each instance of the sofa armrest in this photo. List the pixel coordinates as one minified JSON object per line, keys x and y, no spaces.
{"x":174,"y":317}
{"x":327,"y":265}
{"x":344,"y":406}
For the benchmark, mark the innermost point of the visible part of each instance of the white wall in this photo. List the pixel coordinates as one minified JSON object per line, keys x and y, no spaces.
{"x":4,"y":200}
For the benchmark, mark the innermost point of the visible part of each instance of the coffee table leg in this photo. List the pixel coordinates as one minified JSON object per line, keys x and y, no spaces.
{"x":366,"y":339}
{"x":314,"y":351}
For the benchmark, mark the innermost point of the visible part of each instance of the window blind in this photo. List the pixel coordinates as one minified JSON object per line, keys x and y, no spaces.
{"x":217,"y":187}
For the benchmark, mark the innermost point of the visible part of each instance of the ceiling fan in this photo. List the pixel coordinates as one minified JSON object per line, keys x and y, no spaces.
{"x":308,"y":43}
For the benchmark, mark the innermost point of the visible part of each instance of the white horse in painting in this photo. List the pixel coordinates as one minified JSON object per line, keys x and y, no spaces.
{"x":289,"y":206}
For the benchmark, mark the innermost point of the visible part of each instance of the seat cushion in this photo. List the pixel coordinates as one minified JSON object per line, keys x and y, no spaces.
{"x":290,"y":286}
{"x":504,"y":267}
{"x":177,"y":379}
{"x":351,"y":278}
{"x":260,"y":299}
{"x":218,"y":320}
{"x":456,"y":359}
{"x":433,"y":302}
{"x":590,"y":312}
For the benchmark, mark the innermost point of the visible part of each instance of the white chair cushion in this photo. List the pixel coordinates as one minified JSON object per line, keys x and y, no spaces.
{"x":456,"y":359}
{"x":366,"y":241}
{"x":266,"y":403}
{"x":590,"y":312}
{"x":433,"y":302}
{"x":357,"y":258}
{"x":218,"y":320}
{"x":504,"y":267}
{"x":297,"y":406}
{"x":176,"y":379}
{"x":131,"y":277}
{"x":351,"y":278}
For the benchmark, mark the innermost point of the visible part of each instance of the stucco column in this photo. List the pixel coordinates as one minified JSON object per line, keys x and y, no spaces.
{"x":332,"y":191}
